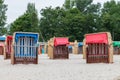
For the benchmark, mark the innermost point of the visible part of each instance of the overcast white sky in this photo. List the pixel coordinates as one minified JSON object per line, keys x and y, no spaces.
{"x":18,"y":7}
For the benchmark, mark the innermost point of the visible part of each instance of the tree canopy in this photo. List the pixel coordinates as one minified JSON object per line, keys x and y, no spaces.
{"x":3,"y":17}
{"x":28,"y":22}
{"x":78,"y":17}
{"x":73,"y":20}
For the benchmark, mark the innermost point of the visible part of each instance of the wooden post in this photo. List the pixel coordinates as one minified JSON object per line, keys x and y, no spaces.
{"x":45,"y":48}
{"x":5,"y":50}
{"x":84,"y":49}
{"x":48,"y":52}
{"x":12,"y":51}
{"x":110,"y":48}
{"x":51,"y":48}
{"x":75,"y":47}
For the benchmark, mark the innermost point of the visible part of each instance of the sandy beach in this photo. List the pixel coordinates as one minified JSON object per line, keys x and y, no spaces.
{"x":75,"y":68}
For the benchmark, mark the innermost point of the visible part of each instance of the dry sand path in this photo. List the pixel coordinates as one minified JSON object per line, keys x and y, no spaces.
{"x":75,"y":68}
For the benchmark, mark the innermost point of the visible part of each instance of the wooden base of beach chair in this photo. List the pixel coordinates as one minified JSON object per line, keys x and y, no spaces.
{"x":97,"y":53}
{"x":7,"y":56}
{"x":116,"y":50}
{"x":70,"y":50}
{"x":1,"y":50}
{"x":97,"y":59}
{"x":25,"y":60}
{"x":80,"y":50}
{"x":60,"y":52}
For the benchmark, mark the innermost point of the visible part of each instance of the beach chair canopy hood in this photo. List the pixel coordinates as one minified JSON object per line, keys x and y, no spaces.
{"x":35,"y":36}
{"x":70,"y":47}
{"x":97,"y":38}
{"x":80,"y":44}
{"x":9,"y":38}
{"x":2,"y":38}
{"x":116,"y":43}
{"x":60,"y":41}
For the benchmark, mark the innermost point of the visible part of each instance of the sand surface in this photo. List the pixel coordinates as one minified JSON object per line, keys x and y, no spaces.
{"x":75,"y":68}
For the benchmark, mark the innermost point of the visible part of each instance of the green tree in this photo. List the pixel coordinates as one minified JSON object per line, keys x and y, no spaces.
{"x":3,"y":9}
{"x":28,"y":22}
{"x":91,"y":14}
{"x":78,"y":17}
{"x":51,"y":23}
{"x":111,"y":18}
{"x":83,"y":4}
{"x":70,"y":21}
{"x":61,"y":23}
{"x":74,"y":24}
{"x":69,"y":4}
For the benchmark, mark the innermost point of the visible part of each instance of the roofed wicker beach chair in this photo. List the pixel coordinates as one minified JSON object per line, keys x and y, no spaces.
{"x":25,"y":48}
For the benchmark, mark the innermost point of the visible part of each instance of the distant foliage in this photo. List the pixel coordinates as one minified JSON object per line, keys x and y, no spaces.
{"x":78,"y":17}
{"x":28,"y":22}
{"x":73,"y":20}
{"x":3,"y":9}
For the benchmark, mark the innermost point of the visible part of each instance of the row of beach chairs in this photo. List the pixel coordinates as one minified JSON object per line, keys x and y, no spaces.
{"x":22,"y":47}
